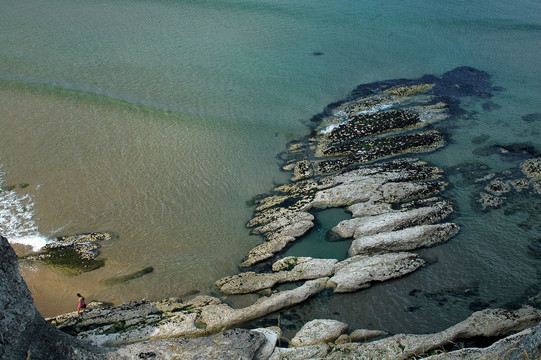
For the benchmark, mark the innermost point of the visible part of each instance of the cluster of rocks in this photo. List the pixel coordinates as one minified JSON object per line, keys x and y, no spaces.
{"x":494,"y":188}
{"x":396,"y":205}
{"x":330,"y":339}
{"x":396,"y":208}
{"x":73,"y":254}
{"x":166,"y":330}
{"x":508,"y":181}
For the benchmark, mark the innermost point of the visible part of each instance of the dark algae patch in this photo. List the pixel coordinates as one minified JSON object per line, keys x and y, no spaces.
{"x":68,"y":260}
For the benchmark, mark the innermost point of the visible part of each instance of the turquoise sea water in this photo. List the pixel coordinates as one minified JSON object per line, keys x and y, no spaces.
{"x":158,"y":120}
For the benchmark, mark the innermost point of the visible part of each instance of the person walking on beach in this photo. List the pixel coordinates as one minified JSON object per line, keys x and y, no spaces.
{"x":81,"y":306}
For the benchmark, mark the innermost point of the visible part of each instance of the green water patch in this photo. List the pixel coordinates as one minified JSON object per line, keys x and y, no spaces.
{"x":98,"y":99}
{"x":314,"y":243}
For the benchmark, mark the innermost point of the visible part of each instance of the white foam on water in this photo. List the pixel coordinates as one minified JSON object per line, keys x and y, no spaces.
{"x":331,"y":127}
{"x":37,"y":242}
{"x":377,"y":108}
{"x":345,"y":118}
{"x":17,"y":219}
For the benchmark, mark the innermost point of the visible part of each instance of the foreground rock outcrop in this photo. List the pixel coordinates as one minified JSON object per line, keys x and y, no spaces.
{"x":204,"y":315}
{"x":490,"y":323}
{"x":23,"y":331}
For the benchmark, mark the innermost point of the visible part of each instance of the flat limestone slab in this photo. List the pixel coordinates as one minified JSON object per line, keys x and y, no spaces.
{"x":319,"y":331}
{"x":403,"y":240}
{"x":360,"y":271}
{"x":285,"y":270}
{"x":369,"y":225}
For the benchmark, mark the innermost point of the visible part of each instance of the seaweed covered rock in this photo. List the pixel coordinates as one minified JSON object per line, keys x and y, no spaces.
{"x":73,"y":254}
{"x":532,"y":168}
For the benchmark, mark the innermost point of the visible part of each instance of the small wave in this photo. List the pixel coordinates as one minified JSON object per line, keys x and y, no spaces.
{"x":377,"y":108}
{"x":331,"y":127}
{"x":37,"y":242}
{"x":17,"y":219}
{"x":345,"y":118}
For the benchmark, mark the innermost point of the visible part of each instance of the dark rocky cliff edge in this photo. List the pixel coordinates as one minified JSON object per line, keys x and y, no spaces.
{"x":24,"y":334}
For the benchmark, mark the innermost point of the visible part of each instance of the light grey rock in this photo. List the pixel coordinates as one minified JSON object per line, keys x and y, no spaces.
{"x":306,"y":265}
{"x":488,"y":323}
{"x":369,"y":209}
{"x":276,"y":241}
{"x":318,"y":331}
{"x":281,"y":222}
{"x":342,"y":339}
{"x":248,"y":282}
{"x":403,"y":240}
{"x":201,"y":316}
{"x":266,"y":250}
{"x":294,"y":269}
{"x":365,"y":334}
{"x":378,"y":183}
{"x":301,"y":353}
{"x":231,"y":344}
{"x":370,"y":225}
{"x":296,"y":229}
{"x":348,"y":193}
{"x":360,"y":271}
{"x":272,"y":334}
{"x":521,"y":346}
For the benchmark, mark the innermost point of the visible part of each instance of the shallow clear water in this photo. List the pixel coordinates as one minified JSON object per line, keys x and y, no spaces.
{"x":158,"y":120}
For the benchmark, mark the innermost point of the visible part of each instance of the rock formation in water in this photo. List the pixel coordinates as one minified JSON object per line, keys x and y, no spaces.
{"x":73,"y":254}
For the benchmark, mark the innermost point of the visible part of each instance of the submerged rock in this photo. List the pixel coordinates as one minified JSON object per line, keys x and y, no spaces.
{"x":532,"y":168}
{"x":125,"y":278}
